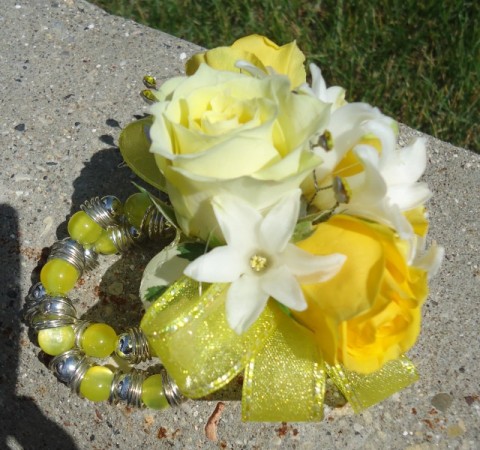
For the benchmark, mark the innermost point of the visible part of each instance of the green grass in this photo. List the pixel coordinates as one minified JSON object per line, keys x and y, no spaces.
{"x":418,"y":61}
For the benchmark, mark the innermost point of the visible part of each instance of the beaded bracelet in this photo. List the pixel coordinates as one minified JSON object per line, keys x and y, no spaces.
{"x":104,"y":226}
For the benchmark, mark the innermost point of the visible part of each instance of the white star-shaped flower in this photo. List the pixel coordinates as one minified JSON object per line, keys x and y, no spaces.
{"x":259,"y":261}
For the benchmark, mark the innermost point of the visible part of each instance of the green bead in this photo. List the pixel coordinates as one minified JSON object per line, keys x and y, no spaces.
{"x":135,"y":208}
{"x":104,"y":245}
{"x":83,"y":228}
{"x":152,"y":393}
{"x":58,"y":276}
{"x":96,"y":383}
{"x":54,"y":341}
{"x":99,"y":340}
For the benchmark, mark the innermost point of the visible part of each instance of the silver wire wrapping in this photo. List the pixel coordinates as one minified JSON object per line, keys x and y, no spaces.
{"x":170,"y":389}
{"x":79,"y":327}
{"x":124,"y":236}
{"x":132,"y":346}
{"x":71,"y":251}
{"x":51,"y":312}
{"x":106,"y":211}
{"x":127,"y":387}
{"x":154,"y":224}
{"x":46,"y":321}
{"x":91,"y":258}
{"x":57,"y":306}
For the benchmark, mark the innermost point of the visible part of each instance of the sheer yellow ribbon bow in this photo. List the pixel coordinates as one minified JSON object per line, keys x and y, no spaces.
{"x":284,"y":375}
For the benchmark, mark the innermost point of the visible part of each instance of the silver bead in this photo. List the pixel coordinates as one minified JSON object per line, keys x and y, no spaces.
{"x":71,"y":251}
{"x":155,"y":226}
{"x":70,"y":367}
{"x":36,"y":294}
{"x":170,"y":389}
{"x":124,"y":236}
{"x":133,"y":346}
{"x":106,"y":211}
{"x":91,"y":258}
{"x":127,"y":387}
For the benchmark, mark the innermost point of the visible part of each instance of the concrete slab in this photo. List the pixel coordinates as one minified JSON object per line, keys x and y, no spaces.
{"x":69,"y":79}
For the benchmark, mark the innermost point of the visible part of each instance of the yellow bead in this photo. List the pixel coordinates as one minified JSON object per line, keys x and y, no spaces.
{"x":58,"y":276}
{"x":104,"y":245}
{"x":54,"y":341}
{"x":152,"y":393}
{"x":83,"y":228}
{"x":99,"y":340}
{"x":135,"y":208}
{"x":96,"y":383}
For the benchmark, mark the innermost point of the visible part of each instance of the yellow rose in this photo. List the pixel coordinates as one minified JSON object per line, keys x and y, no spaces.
{"x":218,"y":132}
{"x":257,"y":50}
{"x":369,"y":313}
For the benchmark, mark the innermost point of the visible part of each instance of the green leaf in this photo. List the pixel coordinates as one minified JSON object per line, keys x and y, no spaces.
{"x":135,"y":149}
{"x":302,"y":231}
{"x":154,"y":292}
{"x":167,"y":210}
{"x":191,"y":250}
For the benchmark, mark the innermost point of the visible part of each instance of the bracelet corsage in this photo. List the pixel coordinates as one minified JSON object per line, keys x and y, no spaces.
{"x":296,"y":250}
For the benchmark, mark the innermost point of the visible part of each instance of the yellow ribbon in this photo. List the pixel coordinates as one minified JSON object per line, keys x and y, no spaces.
{"x":284,"y":373}
{"x":285,"y":381}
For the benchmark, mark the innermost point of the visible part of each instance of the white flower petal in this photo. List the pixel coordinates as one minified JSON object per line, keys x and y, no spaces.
{"x":431,"y":260}
{"x":245,"y":302}
{"x":280,"y":284}
{"x":374,"y":187}
{"x":334,"y":94}
{"x":278,"y":225}
{"x":409,"y":196}
{"x":221,"y":265}
{"x":384,"y":131}
{"x":408,"y":164}
{"x":310,"y":268}
{"x":237,"y":219}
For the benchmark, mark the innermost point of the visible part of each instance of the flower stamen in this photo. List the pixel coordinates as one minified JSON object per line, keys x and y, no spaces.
{"x":258,"y":263}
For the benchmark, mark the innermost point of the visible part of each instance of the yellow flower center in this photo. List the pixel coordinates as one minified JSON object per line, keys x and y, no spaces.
{"x":258,"y":263}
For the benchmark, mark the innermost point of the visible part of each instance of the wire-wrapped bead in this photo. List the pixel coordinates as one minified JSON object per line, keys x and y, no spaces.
{"x":124,"y":236}
{"x":105,"y":211}
{"x":127,"y":387}
{"x":69,"y":367}
{"x":155,"y":226}
{"x":70,"y":251}
{"x":170,"y":389}
{"x":35,"y":296}
{"x":133,"y":346}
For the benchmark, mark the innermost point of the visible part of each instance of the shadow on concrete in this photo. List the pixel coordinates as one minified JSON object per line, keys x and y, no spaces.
{"x":23,"y":424}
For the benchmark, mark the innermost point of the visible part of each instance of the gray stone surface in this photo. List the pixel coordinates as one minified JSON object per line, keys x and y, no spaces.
{"x":69,"y":78}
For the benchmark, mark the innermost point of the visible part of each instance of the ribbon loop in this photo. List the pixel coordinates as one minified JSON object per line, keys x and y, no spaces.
{"x":285,"y":381}
{"x":188,"y":330}
{"x":363,"y":391}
